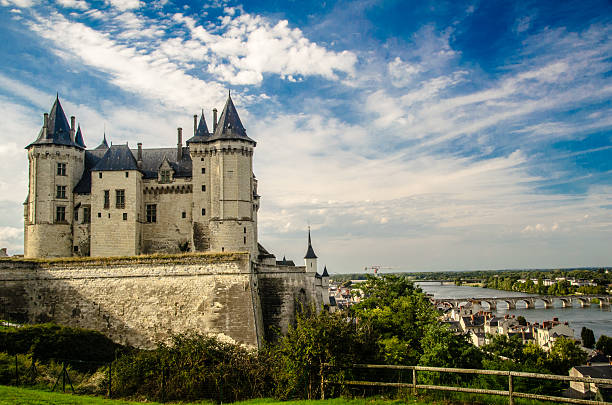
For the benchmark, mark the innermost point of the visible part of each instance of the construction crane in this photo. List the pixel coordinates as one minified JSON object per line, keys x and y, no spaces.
{"x":375,"y":268}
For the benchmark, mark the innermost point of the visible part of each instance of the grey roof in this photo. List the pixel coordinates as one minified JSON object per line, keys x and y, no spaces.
{"x":117,"y":157}
{"x":92,"y":157}
{"x":310,"y":254}
{"x":153,"y":158}
{"x":229,"y":125}
{"x":317,"y":275}
{"x":595,"y":371}
{"x":78,"y":139}
{"x":58,"y":129}
{"x":103,"y":145}
{"x":202,"y":133}
{"x":285,"y":262}
{"x":325,"y":273}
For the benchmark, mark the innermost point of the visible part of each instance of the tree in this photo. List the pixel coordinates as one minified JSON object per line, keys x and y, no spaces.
{"x":565,"y":354}
{"x":588,"y":337}
{"x":604,"y":344}
{"x":521,"y":320}
{"x":398,"y":313}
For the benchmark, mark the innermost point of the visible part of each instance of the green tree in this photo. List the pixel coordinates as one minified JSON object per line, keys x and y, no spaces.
{"x":565,"y":354}
{"x":588,"y":337}
{"x":398,"y":312}
{"x":521,"y":320}
{"x":604,"y":344}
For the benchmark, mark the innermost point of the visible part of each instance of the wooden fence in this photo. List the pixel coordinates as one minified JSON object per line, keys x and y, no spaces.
{"x":510,"y":393}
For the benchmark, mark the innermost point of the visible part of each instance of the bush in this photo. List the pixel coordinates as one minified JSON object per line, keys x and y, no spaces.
{"x":49,"y":341}
{"x":192,"y":367}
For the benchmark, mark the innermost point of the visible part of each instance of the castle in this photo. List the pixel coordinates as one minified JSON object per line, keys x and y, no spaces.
{"x":112,"y":206}
{"x":117,"y":201}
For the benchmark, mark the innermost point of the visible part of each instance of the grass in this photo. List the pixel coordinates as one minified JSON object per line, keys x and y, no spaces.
{"x":27,"y":396}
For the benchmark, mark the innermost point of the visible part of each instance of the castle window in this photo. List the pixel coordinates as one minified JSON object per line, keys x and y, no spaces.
{"x":99,"y":215}
{"x":61,"y":169}
{"x":127,"y":174}
{"x":100,"y":175}
{"x":244,"y":240}
{"x":119,"y":198}
{"x":203,"y":170}
{"x":184,"y":214}
{"x":86,"y":215}
{"x":151,"y":213}
{"x":203,"y":211}
{"x":106,"y":198}
{"x":61,"y":192}
{"x":60,"y":214}
{"x":76,"y":215}
{"x":244,"y":230}
{"x":125,"y":216}
{"x":164,"y":176}
{"x":76,"y":248}
{"x":203,"y":187}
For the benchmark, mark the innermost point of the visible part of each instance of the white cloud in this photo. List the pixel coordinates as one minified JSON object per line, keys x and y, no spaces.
{"x":402,"y":73}
{"x":76,"y":4}
{"x":17,"y":3}
{"x":123,"y":5}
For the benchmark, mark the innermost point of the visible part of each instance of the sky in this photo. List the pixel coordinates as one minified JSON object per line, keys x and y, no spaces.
{"x":413,"y":135}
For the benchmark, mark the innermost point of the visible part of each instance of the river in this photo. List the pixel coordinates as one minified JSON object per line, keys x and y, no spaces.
{"x":593,"y":317}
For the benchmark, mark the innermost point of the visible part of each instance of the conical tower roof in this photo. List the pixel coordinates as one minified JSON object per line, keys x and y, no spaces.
{"x":229,"y":125}
{"x":202,"y":133}
{"x":78,"y":139}
{"x":310,"y":254}
{"x":325,"y":273}
{"x":103,"y":144}
{"x":58,"y":128}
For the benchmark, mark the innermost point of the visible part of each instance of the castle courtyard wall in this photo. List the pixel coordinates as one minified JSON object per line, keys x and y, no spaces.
{"x":137,"y":300}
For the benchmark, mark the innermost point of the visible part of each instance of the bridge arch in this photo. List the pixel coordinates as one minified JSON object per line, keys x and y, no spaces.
{"x":584,"y":302}
{"x":566,"y":302}
{"x":529,"y":302}
{"x":548,"y":303}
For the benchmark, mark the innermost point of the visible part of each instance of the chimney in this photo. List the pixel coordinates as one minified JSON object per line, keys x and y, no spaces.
{"x":46,"y":125}
{"x":195,"y":124}
{"x":139,"y":156}
{"x":72,"y":129}
{"x":179,"y":145}
{"x":214,"y":119}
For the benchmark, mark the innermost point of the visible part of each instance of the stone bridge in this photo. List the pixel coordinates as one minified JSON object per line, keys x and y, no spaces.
{"x":529,"y":300}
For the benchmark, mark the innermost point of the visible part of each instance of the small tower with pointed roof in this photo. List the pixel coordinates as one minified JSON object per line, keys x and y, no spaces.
{"x":310,"y":259}
{"x":225,"y":200}
{"x":56,"y":162}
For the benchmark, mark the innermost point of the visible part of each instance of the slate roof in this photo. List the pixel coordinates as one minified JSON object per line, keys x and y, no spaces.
{"x":58,"y":128}
{"x":310,"y":254}
{"x":229,"y":125}
{"x":325,"y":273}
{"x":153,"y":158}
{"x":103,"y":145}
{"x":317,"y":275}
{"x":202,"y":133}
{"x":117,"y":158}
{"x":263,"y":253}
{"x":78,"y":139}
{"x":595,"y":371}
{"x":92,"y":157}
{"x":285,"y":262}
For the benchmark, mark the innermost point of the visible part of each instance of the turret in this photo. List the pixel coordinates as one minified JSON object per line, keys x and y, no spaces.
{"x":56,"y":160}
{"x":310,"y":259}
{"x":224,"y":206}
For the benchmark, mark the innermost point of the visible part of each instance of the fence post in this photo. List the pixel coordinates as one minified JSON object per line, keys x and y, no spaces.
{"x":510,"y":388}
{"x":322,"y":383}
{"x":414,"y":382}
{"x":16,"y":371}
{"x":110,"y":377}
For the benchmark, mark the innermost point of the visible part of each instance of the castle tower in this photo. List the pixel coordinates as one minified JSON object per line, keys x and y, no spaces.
{"x":310,"y":259}
{"x":224,"y":192}
{"x":55,"y":161}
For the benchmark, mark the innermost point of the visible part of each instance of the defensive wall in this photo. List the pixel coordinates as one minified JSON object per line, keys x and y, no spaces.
{"x":142,"y":300}
{"x":137,"y":300}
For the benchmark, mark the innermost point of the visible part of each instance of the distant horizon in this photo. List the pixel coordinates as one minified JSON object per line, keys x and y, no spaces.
{"x":427,"y":135}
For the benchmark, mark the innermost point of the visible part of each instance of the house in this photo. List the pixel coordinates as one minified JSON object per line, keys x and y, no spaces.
{"x":602,"y":392}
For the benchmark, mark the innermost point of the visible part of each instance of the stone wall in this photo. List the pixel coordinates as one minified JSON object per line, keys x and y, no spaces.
{"x":138,"y":300}
{"x":284,"y":291}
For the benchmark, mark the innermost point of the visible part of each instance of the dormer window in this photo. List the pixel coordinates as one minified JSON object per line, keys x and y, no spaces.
{"x":165,"y":176}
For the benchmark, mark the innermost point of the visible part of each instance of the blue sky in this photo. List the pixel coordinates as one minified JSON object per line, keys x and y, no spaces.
{"x":415,"y":135}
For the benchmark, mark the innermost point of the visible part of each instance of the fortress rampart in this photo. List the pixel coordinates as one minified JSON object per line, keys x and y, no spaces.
{"x":137,"y":300}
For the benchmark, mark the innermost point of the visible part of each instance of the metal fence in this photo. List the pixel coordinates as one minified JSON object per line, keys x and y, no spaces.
{"x":510,"y":375}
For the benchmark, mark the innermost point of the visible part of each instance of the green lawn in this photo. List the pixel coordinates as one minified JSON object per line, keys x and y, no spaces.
{"x":27,"y":396}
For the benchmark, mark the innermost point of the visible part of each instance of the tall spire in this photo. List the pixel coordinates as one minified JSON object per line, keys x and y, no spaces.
{"x":229,"y":125}
{"x":57,"y":131}
{"x":104,"y":144}
{"x":310,"y":254}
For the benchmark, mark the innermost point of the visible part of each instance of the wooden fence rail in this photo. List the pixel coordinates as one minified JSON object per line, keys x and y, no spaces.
{"x":510,"y":393}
